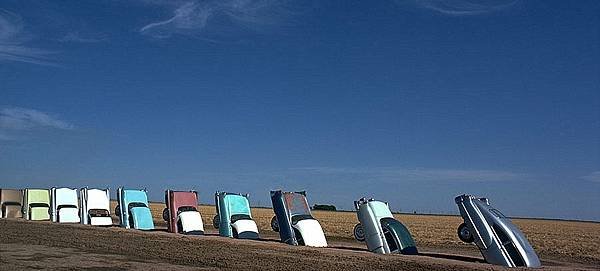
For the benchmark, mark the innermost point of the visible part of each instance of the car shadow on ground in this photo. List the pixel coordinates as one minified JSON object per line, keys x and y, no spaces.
{"x":349,"y":248}
{"x":269,"y":240}
{"x":426,"y":254}
{"x":453,"y":257}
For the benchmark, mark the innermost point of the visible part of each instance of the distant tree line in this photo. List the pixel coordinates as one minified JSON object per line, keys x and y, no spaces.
{"x":324,"y":207}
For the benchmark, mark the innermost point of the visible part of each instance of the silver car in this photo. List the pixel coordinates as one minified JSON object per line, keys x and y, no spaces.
{"x":498,"y":239}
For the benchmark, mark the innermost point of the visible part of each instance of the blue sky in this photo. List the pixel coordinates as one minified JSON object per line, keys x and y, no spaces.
{"x":411,"y":102}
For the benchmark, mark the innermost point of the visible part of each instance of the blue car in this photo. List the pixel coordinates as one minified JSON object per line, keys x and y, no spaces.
{"x":294,"y":221}
{"x":133,"y":209}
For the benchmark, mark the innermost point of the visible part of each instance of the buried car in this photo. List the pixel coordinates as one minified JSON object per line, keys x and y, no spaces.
{"x":95,"y":206}
{"x":63,"y":202}
{"x":294,"y":221}
{"x":181,"y":214}
{"x":381,"y":231}
{"x":36,"y":204}
{"x":11,"y":201}
{"x":498,"y":239}
{"x":133,"y":209}
{"x":234,"y":218}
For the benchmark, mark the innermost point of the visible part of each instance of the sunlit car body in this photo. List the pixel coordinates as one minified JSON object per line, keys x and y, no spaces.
{"x":95,"y":206}
{"x":64,"y":205}
{"x":498,"y":239}
{"x":133,"y":209}
{"x":11,"y":202}
{"x":181,"y":213}
{"x":234,"y":218}
{"x":294,"y":220}
{"x":36,"y":204}
{"x":381,"y":231}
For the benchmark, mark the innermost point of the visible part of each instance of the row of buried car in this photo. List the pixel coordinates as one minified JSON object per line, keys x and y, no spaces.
{"x":498,"y":239}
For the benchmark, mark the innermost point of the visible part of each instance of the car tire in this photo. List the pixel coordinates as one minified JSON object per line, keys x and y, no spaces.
{"x":216,"y":221}
{"x":359,"y":232}
{"x":274,"y":224}
{"x":166,"y":214}
{"x":465,"y":234}
{"x":117,"y":210}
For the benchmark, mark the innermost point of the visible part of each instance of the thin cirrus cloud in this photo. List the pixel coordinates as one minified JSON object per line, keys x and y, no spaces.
{"x":592,"y":177}
{"x":393,"y":174}
{"x":463,"y":7}
{"x":214,"y":17}
{"x":13,"y":42}
{"x":82,"y":38}
{"x":16,"y":119}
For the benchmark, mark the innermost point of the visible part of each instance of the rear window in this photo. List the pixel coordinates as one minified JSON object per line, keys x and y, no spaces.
{"x":297,"y":218}
{"x":67,"y":206}
{"x":237,"y":217}
{"x":136,"y":204}
{"x":394,"y":227}
{"x":389,"y":238}
{"x":98,"y":213}
{"x":186,"y":209}
{"x":507,"y":243}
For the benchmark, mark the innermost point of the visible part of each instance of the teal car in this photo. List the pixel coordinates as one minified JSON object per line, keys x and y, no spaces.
{"x":234,"y":218}
{"x":133,"y":209}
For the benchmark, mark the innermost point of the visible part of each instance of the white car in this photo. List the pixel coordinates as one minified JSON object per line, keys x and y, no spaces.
{"x":64,"y":205}
{"x":382,"y":232}
{"x":95,"y":207}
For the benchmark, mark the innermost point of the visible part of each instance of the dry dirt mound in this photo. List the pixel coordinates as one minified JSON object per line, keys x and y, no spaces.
{"x":44,"y":245}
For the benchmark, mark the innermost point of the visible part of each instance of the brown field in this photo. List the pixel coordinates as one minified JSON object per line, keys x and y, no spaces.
{"x":562,"y":245}
{"x":548,"y":237}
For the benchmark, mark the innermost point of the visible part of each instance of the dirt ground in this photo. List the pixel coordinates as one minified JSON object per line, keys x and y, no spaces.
{"x":26,"y":245}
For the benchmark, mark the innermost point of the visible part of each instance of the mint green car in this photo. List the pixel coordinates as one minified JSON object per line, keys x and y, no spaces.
{"x":36,"y":204}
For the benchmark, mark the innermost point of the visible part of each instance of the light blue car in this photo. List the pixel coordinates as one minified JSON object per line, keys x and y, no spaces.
{"x":133,"y":209}
{"x":234,"y":218}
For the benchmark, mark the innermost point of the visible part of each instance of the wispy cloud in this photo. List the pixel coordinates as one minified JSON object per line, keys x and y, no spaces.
{"x":464,"y":7}
{"x":15,"y":119}
{"x":417,"y":175}
{"x":81,"y":38}
{"x":200,"y":17}
{"x":12,"y":42}
{"x":593,"y":177}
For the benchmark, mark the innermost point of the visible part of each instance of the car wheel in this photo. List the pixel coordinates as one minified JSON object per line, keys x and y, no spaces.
{"x":166,"y":214}
{"x":117,"y":210}
{"x":216,"y":221}
{"x":465,"y":234}
{"x":274,"y":224}
{"x":359,"y":232}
